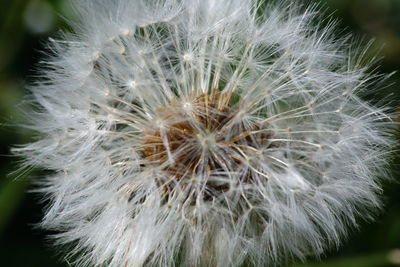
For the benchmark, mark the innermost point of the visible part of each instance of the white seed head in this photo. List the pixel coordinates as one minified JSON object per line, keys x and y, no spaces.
{"x":206,"y":133}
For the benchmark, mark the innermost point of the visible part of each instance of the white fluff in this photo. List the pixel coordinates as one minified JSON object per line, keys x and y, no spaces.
{"x":290,"y":196}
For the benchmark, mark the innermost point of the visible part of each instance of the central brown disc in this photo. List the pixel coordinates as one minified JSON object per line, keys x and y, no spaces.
{"x":204,"y":125}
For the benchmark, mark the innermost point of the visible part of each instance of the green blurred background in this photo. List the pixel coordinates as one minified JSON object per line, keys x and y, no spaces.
{"x":25,"y":26}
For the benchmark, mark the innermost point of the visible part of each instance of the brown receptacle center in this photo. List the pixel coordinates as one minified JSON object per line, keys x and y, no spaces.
{"x":190,"y":128}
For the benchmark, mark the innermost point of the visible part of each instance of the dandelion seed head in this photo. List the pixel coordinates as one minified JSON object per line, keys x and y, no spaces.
{"x":205,"y":133}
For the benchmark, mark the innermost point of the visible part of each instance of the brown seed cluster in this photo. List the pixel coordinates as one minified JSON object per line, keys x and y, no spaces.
{"x":202,"y":136}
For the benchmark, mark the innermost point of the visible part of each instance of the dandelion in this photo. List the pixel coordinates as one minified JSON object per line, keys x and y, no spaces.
{"x":204,"y":133}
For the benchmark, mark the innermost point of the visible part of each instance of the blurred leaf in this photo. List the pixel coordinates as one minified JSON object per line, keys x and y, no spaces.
{"x":382,"y":259}
{"x":12,"y":193}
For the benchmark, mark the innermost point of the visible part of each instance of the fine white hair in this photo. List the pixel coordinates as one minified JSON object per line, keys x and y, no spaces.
{"x":205,"y":133}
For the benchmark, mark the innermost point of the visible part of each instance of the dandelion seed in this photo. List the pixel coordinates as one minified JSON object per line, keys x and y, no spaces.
{"x":205,"y":131}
